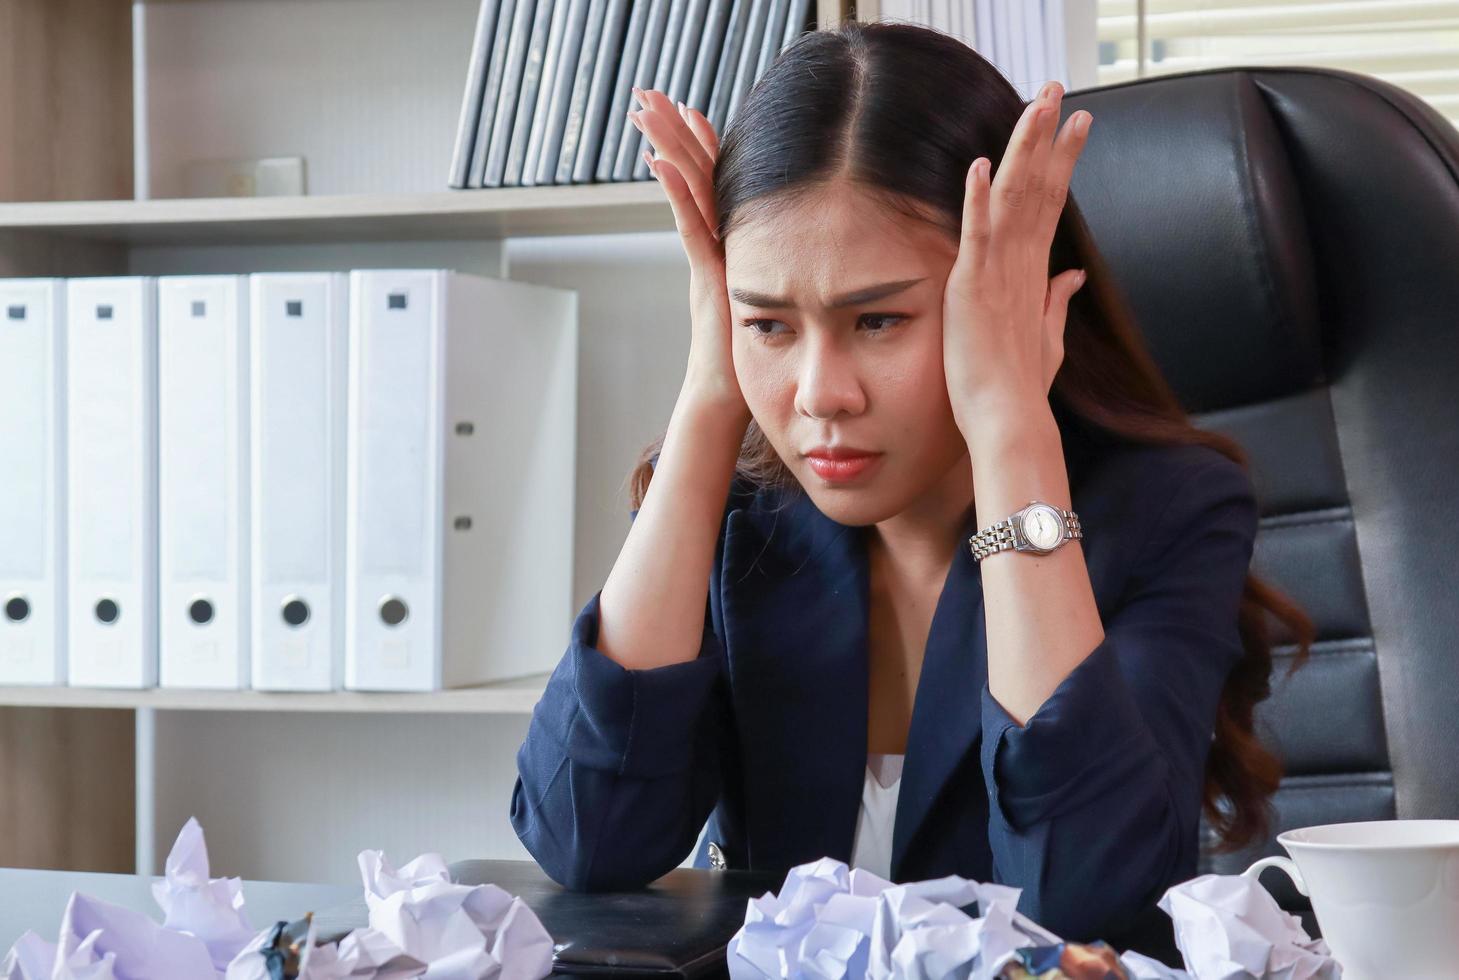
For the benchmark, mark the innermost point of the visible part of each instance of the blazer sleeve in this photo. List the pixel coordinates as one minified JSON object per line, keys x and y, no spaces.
{"x":620,"y":768}
{"x":1094,"y":804}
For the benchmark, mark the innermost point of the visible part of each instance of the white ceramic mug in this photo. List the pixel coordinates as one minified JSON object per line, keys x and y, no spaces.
{"x":1385,"y":893}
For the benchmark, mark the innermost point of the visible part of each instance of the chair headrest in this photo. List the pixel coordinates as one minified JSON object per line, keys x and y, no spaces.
{"x":1189,"y":188}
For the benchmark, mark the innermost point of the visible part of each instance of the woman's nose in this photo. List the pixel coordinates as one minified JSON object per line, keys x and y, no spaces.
{"x":829,"y":385}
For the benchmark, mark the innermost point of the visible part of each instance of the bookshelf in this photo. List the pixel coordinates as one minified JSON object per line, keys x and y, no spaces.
{"x":507,"y":212}
{"x":515,"y":696}
{"x":99,"y":780}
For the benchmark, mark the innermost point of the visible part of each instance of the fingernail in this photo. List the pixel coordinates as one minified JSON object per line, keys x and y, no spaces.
{"x":1079,"y":280}
{"x":1081,"y":125}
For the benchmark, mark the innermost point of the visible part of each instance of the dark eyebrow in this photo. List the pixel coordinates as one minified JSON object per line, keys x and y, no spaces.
{"x":856,"y":298}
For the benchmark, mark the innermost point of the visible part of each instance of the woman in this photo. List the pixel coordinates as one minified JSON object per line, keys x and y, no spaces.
{"x":892,"y":355}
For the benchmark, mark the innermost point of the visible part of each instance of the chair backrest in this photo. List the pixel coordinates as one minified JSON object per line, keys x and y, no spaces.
{"x":1288,"y":239}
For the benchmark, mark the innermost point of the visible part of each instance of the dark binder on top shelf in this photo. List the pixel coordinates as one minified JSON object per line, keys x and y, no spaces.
{"x":491,"y":93}
{"x":542,"y":111}
{"x":729,"y":59}
{"x":622,"y":95}
{"x":774,"y":34}
{"x":749,"y":57}
{"x":795,"y":24}
{"x":684,"y":58}
{"x":706,"y":62}
{"x":581,"y":86}
{"x":643,"y":76}
{"x":547,"y":16}
{"x":605,"y":72}
{"x":544,"y":167}
{"x":665,"y":70}
{"x":476,"y":67}
{"x":506,"y":105}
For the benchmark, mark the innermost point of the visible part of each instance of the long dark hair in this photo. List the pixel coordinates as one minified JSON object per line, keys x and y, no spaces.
{"x":904,"y":111}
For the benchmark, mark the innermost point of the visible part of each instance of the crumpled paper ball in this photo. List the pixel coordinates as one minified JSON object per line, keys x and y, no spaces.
{"x":466,"y":931}
{"x":829,"y":922}
{"x":421,"y":925}
{"x":1229,"y":927}
{"x":205,"y":927}
{"x":281,"y":951}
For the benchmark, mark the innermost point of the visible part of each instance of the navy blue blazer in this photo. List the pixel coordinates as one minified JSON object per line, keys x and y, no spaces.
{"x":1091,"y":809}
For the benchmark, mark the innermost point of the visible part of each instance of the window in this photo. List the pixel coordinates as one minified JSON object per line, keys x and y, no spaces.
{"x":1411,"y":43}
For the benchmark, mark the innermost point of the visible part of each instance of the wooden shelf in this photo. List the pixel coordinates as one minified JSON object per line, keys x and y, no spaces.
{"x":575,"y":209}
{"x":504,"y":697}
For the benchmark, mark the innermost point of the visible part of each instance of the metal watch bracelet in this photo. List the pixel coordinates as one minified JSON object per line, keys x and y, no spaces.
{"x":1002,"y":536}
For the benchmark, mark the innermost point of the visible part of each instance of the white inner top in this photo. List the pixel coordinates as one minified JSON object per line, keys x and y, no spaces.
{"x":872,"y":847}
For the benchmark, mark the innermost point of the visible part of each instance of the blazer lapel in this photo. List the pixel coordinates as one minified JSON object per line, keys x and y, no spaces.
{"x":946,"y":710}
{"x":794,"y":592}
{"x":947,"y":716}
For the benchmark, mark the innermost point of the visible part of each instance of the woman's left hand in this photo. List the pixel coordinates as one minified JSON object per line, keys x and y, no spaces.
{"x":1003,"y":317}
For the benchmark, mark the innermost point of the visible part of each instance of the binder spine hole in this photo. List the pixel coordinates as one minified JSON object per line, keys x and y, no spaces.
{"x":294,"y":307}
{"x":103,"y":312}
{"x":17,"y":609}
{"x":15,"y":312}
{"x":200,"y":611}
{"x":394,"y":611}
{"x":295,"y":611}
{"x":462,"y":523}
{"x":395,"y":301}
{"x":107,"y":611}
{"x":465,"y":428}
{"x":200,"y":308}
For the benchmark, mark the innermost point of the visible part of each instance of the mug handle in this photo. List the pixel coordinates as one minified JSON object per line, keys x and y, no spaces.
{"x":1285,"y":864}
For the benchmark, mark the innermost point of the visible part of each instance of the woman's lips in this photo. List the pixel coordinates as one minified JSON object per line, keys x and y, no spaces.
{"x":843,"y":469}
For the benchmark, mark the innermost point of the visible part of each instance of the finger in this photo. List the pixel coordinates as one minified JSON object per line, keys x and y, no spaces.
{"x":673,"y":139}
{"x":702,"y":128}
{"x":667,"y":146}
{"x":674,"y":126}
{"x":1061,"y":290}
{"x":1070,"y":143}
{"x":1056,"y":314}
{"x":698,"y":242}
{"x":977,"y":228}
{"x":1010,"y":183}
{"x":1038,"y":161}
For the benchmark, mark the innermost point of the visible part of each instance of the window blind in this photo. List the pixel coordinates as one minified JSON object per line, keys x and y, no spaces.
{"x":1410,"y":43}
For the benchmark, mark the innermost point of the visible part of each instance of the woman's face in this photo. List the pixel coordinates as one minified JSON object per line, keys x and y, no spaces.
{"x":821,"y":366}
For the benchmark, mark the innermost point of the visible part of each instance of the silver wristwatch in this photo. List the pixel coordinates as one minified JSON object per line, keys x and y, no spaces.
{"x":1038,"y":528}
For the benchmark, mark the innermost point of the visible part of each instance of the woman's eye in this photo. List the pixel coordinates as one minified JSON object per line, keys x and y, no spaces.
{"x":764,"y":329}
{"x":885,"y":319}
{"x":756,"y":327}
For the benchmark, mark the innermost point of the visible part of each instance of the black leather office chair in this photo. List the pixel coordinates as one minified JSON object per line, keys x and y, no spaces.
{"x":1289,"y":241}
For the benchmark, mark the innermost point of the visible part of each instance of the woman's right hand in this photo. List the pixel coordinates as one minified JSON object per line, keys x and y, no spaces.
{"x":685,"y":149}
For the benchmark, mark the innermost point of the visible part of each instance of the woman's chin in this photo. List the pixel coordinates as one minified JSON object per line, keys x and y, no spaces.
{"x":853,"y":506}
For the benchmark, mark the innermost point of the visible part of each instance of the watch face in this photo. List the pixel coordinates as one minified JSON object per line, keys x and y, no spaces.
{"x":1042,"y":527}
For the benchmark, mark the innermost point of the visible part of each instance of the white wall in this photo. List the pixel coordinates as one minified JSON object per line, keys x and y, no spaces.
{"x":368,"y":91}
